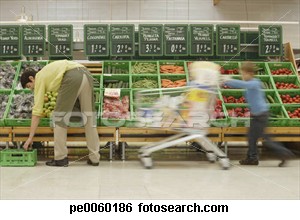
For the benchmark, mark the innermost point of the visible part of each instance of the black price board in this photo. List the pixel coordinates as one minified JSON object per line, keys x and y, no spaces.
{"x":201,"y":40}
{"x":60,"y":40}
{"x":122,"y":40}
{"x":150,"y":40}
{"x":10,"y":41}
{"x":270,"y":40}
{"x":96,"y":40}
{"x":33,"y":40}
{"x":228,"y":40}
{"x":176,"y":40}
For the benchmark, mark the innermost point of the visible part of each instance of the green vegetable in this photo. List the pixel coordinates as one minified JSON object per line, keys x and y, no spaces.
{"x":271,"y":100}
{"x":144,"y":68}
{"x":145,"y":83}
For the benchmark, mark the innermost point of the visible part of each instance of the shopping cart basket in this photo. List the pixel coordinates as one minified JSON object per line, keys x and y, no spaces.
{"x":186,"y":110}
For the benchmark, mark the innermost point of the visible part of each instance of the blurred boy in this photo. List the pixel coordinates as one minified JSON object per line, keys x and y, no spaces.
{"x":259,"y":109}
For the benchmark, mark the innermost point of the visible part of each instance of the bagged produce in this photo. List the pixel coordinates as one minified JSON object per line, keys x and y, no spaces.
{"x":21,"y":107}
{"x":116,"y":108}
{"x":7,"y":75}
{"x":3,"y":104}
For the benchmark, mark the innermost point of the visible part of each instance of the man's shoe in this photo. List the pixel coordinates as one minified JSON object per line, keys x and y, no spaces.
{"x":282,"y":163}
{"x":89,"y":162}
{"x":248,"y":161}
{"x":58,"y":163}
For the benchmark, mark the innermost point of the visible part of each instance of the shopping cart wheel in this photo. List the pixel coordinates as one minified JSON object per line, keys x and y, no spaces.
{"x":146,"y":161}
{"x":224,"y":163}
{"x":211,"y":157}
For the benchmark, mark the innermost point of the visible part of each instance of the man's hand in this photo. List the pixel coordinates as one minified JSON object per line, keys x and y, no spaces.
{"x":27,"y":143}
{"x":224,"y":78}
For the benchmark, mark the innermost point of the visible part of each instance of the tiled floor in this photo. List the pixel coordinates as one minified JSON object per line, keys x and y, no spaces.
{"x":167,"y":180}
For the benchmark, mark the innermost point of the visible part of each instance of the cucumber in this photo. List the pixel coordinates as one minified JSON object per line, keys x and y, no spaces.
{"x":109,"y":85}
{"x":120,"y":84}
{"x":271,"y":100}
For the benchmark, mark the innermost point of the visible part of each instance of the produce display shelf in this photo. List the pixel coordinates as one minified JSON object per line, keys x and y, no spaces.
{"x":18,"y":157}
{"x":286,"y":79}
{"x":291,"y":93}
{"x":279,"y":65}
{"x":293,"y":122}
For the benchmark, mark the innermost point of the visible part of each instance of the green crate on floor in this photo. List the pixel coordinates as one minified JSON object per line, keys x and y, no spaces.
{"x":278,"y":116}
{"x":120,"y":81}
{"x":144,"y":67}
{"x":164,"y":63}
{"x":275,"y":66}
{"x":286,"y":79}
{"x":4,"y":106}
{"x":173,"y":78}
{"x":291,"y":93}
{"x":18,"y":158}
{"x":116,"y":67}
{"x":145,"y":81}
{"x":15,"y":68}
{"x":292,"y":122}
{"x":115,"y":122}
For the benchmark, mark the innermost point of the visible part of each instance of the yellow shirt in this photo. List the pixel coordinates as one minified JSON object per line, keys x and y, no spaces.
{"x":49,"y":80}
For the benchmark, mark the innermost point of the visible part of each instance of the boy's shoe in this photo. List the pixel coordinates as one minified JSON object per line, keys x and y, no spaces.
{"x":89,"y":162}
{"x":249,"y":161}
{"x":58,"y":163}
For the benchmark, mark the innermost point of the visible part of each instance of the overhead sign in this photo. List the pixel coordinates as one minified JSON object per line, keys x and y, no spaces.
{"x":176,"y":39}
{"x":201,"y":40}
{"x":33,"y":40}
{"x":60,"y":39}
{"x":10,"y":41}
{"x":270,"y":40}
{"x":122,"y":40}
{"x":96,"y":40}
{"x":150,"y":40}
{"x":228,"y":40}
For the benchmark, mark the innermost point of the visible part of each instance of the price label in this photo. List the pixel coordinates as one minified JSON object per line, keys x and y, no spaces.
{"x":122,"y":40}
{"x":60,"y":39}
{"x":201,"y":40}
{"x":150,"y":40}
{"x":33,"y":40}
{"x":114,"y":93}
{"x":270,"y":40}
{"x":228,"y":40}
{"x":176,"y":40}
{"x":10,"y":41}
{"x":96,"y":40}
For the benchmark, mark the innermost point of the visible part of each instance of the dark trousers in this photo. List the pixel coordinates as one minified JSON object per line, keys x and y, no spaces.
{"x":258,"y":124}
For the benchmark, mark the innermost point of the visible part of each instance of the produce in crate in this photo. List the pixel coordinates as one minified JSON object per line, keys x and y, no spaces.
{"x":21,"y":106}
{"x":234,"y":71}
{"x":144,"y":68}
{"x":232,"y":99}
{"x":266,"y":85}
{"x":145,"y":83}
{"x":294,"y":114}
{"x":218,"y":112}
{"x":32,"y":65}
{"x":282,"y":71}
{"x":3,"y":104}
{"x":283,"y":85}
{"x":260,"y":71}
{"x":239,"y":112}
{"x":116,"y":84}
{"x":286,"y":98}
{"x":49,"y":103}
{"x":171,"y":69}
{"x":7,"y":75}
{"x":115,"y":108}
{"x":167,"y":83}
{"x":115,"y":69}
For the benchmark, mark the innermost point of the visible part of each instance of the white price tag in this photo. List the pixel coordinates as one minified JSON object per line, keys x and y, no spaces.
{"x":115,"y":93}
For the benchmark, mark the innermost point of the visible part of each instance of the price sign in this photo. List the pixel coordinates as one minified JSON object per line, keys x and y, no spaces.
{"x":122,"y":40}
{"x":270,"y":40}
{"x":114,"y":93}
{"x":228,"y":40}
{"x":10,"y":41}
{"x":60,"y":38}
{"x":201,"y":40}
{"x":33,"y":40}
{"x":96,"y":40}
{"x":176,"y":40}
{"x":150,"y":40}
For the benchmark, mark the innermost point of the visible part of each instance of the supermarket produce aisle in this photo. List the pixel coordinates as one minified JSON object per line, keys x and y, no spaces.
{"x":168,"y":180}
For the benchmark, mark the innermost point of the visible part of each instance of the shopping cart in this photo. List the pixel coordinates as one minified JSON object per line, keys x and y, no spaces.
{"x":186,"y":110}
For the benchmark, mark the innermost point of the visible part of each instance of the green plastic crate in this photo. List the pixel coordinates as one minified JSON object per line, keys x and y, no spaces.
{"x":237,"y":121}
{"x":140,"y":67}
{"x":229,"y":65}
{"x":180,"y":63}
{"x":174,"y":77}
{"x":135,"y":78}
{"x":18,"y":157}
{"x":116,"y":67}
{"x":274,"y":119}
{"x":115,"y":122}
{"x":275,"y":66}
{"x":220,"y":122}
{"x":286,"y":79}
{"x":262,"y":69}
{"x":292,"y":93}
{"x":236,"y":93}
{"x":97,"y":80}
{"x":267,"y":82}
{"x":17,"y":66}
{"x":116,"y":78}
{"x":292,"y":122}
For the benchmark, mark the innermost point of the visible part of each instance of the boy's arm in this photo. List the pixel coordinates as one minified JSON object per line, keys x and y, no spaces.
{"x":241,"y":84}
